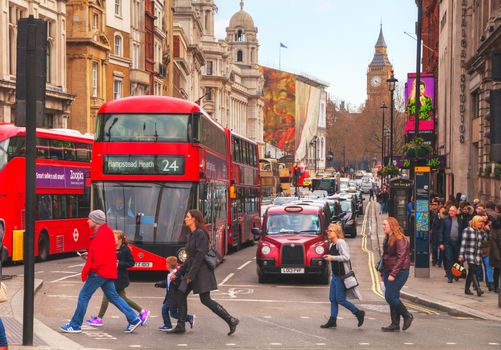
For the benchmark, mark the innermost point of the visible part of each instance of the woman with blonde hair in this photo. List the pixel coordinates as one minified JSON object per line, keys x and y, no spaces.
{"x":339,"y":257}
{"x":471,"y":252}
{"x":396,"y":264}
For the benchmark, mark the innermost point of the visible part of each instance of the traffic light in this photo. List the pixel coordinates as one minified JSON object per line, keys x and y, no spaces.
{"x":495,"y":125}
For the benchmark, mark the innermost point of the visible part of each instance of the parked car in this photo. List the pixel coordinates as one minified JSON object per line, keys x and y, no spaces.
{"x":292,"y":242}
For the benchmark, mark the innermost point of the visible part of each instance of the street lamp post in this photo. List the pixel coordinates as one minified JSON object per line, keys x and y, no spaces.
{"x":383,"y":107}
{"x":392,"y":81}
{"x":313,"y":143}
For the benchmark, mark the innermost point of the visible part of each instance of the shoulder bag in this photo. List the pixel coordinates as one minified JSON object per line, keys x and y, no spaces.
{"x":213,"y":258}
{"x":349,"y":279}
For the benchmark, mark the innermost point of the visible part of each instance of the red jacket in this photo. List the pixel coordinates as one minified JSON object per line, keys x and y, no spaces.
{"x":102,"y":258}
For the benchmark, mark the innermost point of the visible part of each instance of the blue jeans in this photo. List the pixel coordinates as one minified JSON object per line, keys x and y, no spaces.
{"x":94,"y":281}
{"x":489,"y":271}
{"x":451,"y":256}
{"x":392,"y":289}
{"x":173,"y":314}
{"x":337,"y":295}
{"x":3,"y":336}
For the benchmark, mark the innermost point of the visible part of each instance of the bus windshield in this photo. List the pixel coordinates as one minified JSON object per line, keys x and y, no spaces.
{"x":146,"y":212}
{"x":142,"y":128}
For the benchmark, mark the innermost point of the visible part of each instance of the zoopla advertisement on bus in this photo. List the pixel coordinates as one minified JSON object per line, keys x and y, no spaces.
{"x":58,"y":177}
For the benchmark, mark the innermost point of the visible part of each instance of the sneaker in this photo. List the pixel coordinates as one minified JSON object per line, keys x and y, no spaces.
{"x":164,"y":329}
{"x":132,"y":326}
{"x":143,"y":315}
{"x":69,"y":329}
{"x":95,"y":321}
{"x":191,"y":320}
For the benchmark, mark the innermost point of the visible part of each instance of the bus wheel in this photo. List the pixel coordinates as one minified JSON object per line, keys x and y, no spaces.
{"x":43,"y":247}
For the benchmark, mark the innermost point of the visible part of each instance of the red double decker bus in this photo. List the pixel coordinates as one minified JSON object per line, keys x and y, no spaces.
{"x":62,"y":190}
{"x":245,"y":190}
{"x":155,"y":157}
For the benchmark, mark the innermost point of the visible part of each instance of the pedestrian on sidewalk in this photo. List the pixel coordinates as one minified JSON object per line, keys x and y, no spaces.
{"x":471,"y":252}
{"x":339,"y":257}
{"x":436,"y":221}
{"x":396,"y":264}
{"x":125,"y":261}
{"x":100,"y":270}
{"x":495,"y":247}
{"x":196,"y":273}
{"x":172,"y":297}
{"x":450,"y":240}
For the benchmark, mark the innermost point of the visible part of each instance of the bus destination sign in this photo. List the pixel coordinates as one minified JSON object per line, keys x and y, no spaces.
{"x":132,"y":164}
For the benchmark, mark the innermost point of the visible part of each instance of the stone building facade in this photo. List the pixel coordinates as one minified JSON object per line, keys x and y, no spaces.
{"x":470,"y":35}
{"x":58,"y":97}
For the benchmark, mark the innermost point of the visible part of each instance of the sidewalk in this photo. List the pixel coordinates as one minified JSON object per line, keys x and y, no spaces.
{"x":435,"y":292}
{"x":11,"y":312}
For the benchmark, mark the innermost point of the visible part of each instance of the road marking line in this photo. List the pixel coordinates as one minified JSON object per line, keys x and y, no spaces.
{"x":304,"y":334}
{"x":227,"y":278}
{"x":450,"y":343}
{"x":77,"y":265}
{"x":266,"y":316}
{"x":231,"y":344}
{"x":364,"y":344}
{"x":303,"y":287}
{"x":320,"y":344}
{"x":493,"y":343}
{"x":244,"y":265}
{"x":135,"y":346}
{"x":276,"y":344}
{"x":305,"y":317}
{"x":62,"y":271}
{"x":66,"y":277}
{"x":408,"y":343}
{"x":182,"y":344}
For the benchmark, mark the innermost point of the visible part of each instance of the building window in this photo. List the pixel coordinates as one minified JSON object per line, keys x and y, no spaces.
{"x":94,"y":79}
{"x":209,"y":68}
{"x":475,"y":104}
{"x":118,"y":7}
{"x":117,"y":89}
{"x":240,"y":56}
{"x":135,"y":56}
{"x":118,"y":45}
{"x":95,"y":21}
{"x":208,"y":94}
{"x":240,"y":35}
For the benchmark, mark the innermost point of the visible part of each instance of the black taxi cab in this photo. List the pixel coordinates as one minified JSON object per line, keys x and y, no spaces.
{"x":292,"y":241}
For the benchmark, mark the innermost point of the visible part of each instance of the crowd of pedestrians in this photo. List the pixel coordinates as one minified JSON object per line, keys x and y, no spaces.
{"x":468,"y":234}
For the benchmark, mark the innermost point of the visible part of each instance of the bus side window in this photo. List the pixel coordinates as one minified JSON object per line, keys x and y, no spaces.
{"x":56,"y":149}
{"x":69,"y":150}
{"x":44,"y":206}
{"x":42,"y":148}
{"x":82,"y":152}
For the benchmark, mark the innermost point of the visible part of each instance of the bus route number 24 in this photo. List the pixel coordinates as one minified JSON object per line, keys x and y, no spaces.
{"x":170,"y":166}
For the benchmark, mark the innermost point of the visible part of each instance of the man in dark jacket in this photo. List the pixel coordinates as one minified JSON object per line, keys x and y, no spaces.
{"x":435,"y":228}
{"x":450,"y":239}
{"x":100,"y":270}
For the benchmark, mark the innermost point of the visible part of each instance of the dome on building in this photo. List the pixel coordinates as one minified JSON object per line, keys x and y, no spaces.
{"x":242,"y":19}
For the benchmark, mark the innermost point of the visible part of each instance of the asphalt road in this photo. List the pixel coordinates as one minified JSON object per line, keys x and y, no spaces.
{"x":284,"y":314}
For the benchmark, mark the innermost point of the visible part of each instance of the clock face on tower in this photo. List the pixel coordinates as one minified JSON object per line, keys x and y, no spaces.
{"x":376,"y":81}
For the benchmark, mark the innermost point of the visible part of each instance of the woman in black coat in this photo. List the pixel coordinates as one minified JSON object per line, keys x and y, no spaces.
{"x":196,"y":273}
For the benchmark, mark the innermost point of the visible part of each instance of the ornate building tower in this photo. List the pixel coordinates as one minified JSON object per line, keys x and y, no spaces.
{"x":379,"y":70}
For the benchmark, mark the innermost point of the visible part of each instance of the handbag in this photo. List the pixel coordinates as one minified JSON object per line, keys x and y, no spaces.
{"x":3,"y":293}
{"x":213,"y":258}
{"x":380,"y":265}
{"x":349,"y":279}
{"x":458,"y":270}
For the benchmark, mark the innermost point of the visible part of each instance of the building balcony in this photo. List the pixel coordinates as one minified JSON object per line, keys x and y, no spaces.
{"x":139,"y":76}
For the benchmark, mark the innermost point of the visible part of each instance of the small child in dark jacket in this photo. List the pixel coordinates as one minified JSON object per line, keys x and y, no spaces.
{"x":125,"y":261}
{"x":172,"y":295}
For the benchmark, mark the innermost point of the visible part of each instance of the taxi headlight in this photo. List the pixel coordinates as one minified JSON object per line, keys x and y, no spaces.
{"x":319,"y":250}
{"x":182,"y":255}
{"x":265,"y":250}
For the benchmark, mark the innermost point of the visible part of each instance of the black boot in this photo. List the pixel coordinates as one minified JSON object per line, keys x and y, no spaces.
{"x":490,"y":286}
{"x":408,"y":317}
{"x":231,"y":321}
{"x":477,"y":285}
{"x":360,"y":317}
{"x":178,"y":329}
{"x":395,"y":321}
{"x":467,"y":285}
{"x":331,"y":323}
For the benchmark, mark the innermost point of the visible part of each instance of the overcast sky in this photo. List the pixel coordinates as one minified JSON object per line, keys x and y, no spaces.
{"x":332,"y":40}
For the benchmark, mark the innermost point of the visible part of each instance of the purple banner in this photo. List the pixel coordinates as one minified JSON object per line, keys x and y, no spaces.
{"x":427,"y":99}
{"x":59,"y":177}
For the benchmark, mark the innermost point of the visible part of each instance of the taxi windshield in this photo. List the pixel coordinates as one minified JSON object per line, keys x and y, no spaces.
{"x":293,"y":223}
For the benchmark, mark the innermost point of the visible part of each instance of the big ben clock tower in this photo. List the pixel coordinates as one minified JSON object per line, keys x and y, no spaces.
{"x":379,"y":70}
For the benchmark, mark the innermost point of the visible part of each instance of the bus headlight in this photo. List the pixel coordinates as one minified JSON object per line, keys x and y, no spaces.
{"x":319,"y":250}
{"x":182,"y":255}
{"x":265,"y":250}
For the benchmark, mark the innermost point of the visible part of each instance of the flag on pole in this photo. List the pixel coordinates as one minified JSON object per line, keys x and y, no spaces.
{"x":282,"y":45}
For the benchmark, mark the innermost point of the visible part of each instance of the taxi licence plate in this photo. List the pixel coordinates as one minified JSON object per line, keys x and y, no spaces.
{"x":292,"y":270}
{"x":143,"y":264}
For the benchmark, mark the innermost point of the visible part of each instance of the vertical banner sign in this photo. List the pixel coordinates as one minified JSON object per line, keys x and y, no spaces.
{"x":422,"y":222}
